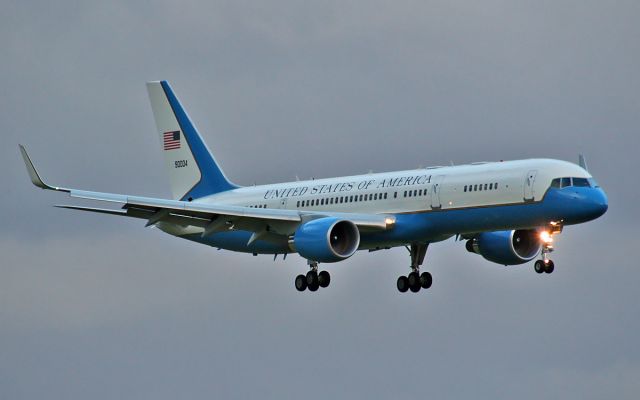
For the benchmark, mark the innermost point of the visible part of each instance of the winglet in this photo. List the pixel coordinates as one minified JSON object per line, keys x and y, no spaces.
{"x":582,"y":162}
{"x":33,"y":174}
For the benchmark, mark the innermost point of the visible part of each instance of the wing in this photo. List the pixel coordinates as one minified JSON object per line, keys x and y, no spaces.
{"x":210,"y":217}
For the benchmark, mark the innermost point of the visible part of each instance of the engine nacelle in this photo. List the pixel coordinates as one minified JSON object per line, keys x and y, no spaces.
{"x":506,"y":247}
{"x":326,"y":239}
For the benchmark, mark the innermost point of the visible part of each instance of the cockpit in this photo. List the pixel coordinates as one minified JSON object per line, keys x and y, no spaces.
{"x":575,"y":182}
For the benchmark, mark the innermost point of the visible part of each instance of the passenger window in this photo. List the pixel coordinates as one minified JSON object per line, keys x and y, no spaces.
{"x":480,"y":187}
{"x":564,"y":182}
{"x":475,"y":188}
{"x":555,"y":183}
{"x":580,"y":182}
{"x":491,"y":186}
{"x":415,"y":192}
{"x":465,"y":188}
{"x":385,"y":195}
{"x":485,"y":186}
{"x":405,"y":193}
{"x":495,"y":185}
{"x":395,"y":195}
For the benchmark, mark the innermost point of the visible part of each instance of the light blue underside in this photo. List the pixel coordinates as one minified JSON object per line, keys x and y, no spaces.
{"x":573,"y":205}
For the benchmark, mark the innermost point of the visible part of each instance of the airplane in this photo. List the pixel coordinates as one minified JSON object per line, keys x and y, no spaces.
{"x":508,"y":212}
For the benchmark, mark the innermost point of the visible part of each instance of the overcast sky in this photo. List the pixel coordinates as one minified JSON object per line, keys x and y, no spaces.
{"x":93,"y":306}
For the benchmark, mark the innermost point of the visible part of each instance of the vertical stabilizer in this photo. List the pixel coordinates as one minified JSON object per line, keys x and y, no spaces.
{"x":582,"y":162}
{"x":193,"y":171}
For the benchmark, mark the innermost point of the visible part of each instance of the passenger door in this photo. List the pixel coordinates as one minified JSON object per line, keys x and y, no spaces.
{"x":435,"y":192}
{"x":528,"y":185}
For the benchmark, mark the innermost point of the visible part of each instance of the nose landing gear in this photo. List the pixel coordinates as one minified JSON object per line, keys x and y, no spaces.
{"x":546,"y":265}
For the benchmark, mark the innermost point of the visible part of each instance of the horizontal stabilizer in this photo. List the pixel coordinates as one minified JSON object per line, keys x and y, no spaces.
{"x":93,"y":209}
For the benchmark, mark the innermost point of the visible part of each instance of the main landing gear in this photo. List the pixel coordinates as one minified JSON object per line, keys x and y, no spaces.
{"x":313,"y":280}
{"x":415,"y":280}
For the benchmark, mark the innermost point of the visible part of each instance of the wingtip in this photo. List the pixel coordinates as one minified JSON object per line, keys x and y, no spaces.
{"x":33,"y":173}
{"x":31,"y":170}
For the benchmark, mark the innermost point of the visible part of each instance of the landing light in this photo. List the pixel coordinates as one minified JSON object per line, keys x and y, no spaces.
{"x":389,"y":221}
{"x":546,"y":237}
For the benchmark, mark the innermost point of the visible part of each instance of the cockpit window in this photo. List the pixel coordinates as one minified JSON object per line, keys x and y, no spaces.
{"x":580,"y":182}
{"x":576,"y":182}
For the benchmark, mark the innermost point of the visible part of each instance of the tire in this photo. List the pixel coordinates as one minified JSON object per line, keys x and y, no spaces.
{"x":549,"y":267}
{"x":539,"y":266}
{"x":414,"y":282}
{"x":301,"y":283}
{"x":426,"y":280}
{"x":403,"y":284}
{"x":312,"y":281}
{"x":324,"y":279}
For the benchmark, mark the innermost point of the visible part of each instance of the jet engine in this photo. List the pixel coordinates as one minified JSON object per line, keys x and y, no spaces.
{"x":326,"y":239}
{"x":506,"y":247}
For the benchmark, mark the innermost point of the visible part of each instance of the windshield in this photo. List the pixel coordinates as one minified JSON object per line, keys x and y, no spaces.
{"x":576,"y":182}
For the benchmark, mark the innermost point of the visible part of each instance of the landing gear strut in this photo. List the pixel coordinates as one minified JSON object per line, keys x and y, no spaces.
{"x":546,"y":265}
{"x":416,"y":281}
{"x":312,"y":280}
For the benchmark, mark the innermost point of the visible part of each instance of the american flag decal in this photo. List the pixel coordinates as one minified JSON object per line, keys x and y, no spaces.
{"x":171,"y":140}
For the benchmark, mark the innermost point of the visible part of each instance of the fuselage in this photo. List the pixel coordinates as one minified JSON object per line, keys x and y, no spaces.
{"x":428,"y":204}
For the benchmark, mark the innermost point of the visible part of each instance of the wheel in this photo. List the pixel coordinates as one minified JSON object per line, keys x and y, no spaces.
{"x":414,"y":282}
{"x":301,"y":283}
{"x":549,"y":267}
{"x":539,"y":266}
{"x":312,"y":281}
{"x":426,"y":280}
{"x":403,"y":284}
{"x":324,"y":279}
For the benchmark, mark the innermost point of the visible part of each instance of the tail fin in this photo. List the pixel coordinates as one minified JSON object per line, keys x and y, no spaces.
{"x":193,"y":172}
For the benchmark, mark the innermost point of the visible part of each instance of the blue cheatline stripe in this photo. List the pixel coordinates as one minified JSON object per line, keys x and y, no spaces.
{"x":212,"y":178}
{"x":558,"y":204}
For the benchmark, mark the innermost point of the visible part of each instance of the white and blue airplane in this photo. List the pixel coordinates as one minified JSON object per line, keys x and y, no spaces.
{"x":507,"y":212}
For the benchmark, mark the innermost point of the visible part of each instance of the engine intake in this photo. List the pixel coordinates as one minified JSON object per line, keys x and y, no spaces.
{"x":506,"y":247}
{"x":326,"y":239}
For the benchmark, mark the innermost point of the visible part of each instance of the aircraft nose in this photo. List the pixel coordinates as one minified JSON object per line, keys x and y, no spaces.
{"x":598,"y":203}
